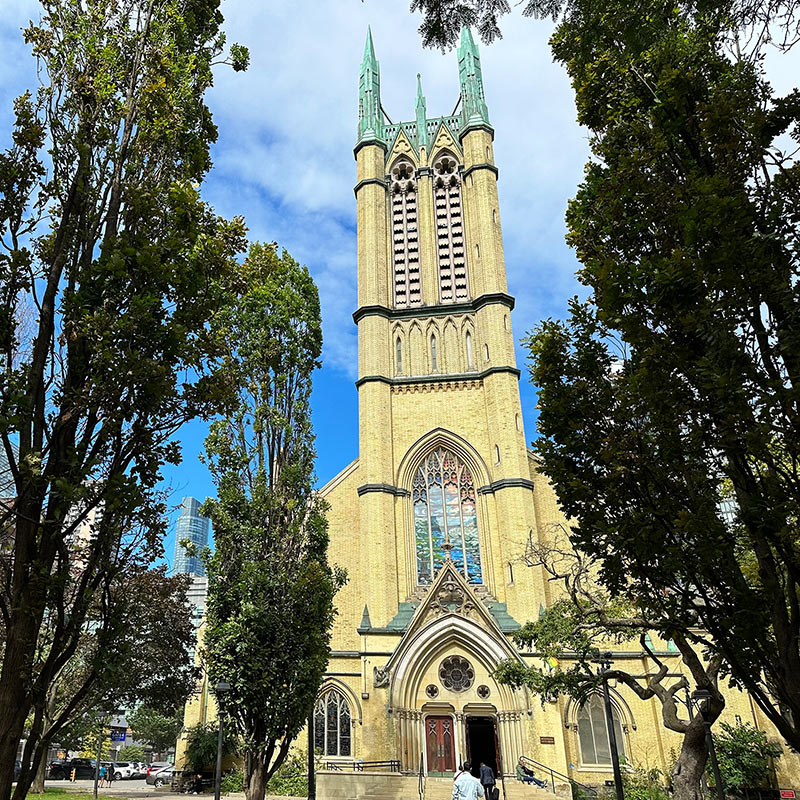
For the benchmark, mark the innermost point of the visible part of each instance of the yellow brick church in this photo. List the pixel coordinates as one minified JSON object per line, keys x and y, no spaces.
{"x":433,"y":518}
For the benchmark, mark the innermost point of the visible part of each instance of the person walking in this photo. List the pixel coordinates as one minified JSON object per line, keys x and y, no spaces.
{"x":487,"y":780}
{"x":465,"y":787}
{"x":102,"y":775}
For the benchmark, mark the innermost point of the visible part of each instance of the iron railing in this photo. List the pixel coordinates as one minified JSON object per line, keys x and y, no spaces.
{"x":359,"y":766}
{"x":421,"y":785}
{"x":590,"y":791}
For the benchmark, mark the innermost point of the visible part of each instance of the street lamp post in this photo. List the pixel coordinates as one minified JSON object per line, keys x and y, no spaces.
{"x":221,"y":688}
{"x":312,"y":778}
{"x":100,"y":736}
{"x":604,"y":665}
{"x":703,"y":697}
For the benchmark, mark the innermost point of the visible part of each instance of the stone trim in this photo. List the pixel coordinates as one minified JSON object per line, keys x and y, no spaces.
{"x":442,"y":310}
{"x":367,"y":143}
{"x":437,"y":379}
{"x":367,"y":182}
{"x":506,"y":483}
{"x":472,"y":126}
{"x":382,"y":487}
{"x":485,"y":165}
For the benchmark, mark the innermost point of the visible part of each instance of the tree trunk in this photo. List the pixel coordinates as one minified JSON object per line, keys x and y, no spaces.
{"x":255,"y":779}
{"x":37,"y":787}
{"x":12,"y":725}
{"x":691,"y":763}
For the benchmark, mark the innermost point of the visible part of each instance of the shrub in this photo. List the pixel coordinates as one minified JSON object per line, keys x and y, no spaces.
{"x":291,"y":777}
{"x":232,"y":781}
{"x":743,"y":753}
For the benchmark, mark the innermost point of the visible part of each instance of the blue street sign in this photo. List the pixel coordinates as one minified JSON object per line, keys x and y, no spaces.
{"x":117,"y":736}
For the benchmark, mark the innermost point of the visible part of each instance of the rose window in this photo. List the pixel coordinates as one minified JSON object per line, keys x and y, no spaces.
{"x":456,"y":674}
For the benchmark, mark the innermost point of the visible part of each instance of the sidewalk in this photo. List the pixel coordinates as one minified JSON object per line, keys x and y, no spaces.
{"x":120,"y":789}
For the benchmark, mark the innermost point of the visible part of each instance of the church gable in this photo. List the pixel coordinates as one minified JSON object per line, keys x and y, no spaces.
{"x":402,"y":147}
{"x":444,"y":140}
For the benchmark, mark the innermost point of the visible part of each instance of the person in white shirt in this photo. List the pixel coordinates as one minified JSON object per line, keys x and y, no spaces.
{"x":465,"y":787}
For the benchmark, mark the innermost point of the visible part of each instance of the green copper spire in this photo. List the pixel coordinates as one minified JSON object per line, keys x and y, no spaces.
{"x":473,"y":106}
{"x":422,"y":117}
{"x":370,"y":116}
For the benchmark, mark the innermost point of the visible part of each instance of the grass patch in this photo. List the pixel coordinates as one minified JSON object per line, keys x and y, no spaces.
{"x":57,"y":793}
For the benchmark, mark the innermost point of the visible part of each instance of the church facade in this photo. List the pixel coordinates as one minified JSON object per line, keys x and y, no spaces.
{"x":433,"y":519}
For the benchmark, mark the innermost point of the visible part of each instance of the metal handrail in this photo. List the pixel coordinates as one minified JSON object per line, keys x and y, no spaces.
{"x":359,"y":766}
{"x":589,"y":790}
{"x":421,"y":785}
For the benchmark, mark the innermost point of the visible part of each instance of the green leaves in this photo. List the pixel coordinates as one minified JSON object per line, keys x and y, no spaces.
{"x":744,"y":754}
{"x":270,"y":601}
{"x":674,"y":385}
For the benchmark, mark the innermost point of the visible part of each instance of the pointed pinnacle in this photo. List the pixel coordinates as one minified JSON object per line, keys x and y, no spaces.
{"x":369,"y":49}
{"x":466,"y":38}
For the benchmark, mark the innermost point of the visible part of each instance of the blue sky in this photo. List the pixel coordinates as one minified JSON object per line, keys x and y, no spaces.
{"x":284,"y":161}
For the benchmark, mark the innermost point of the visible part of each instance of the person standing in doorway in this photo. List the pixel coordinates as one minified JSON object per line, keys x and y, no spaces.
{"x":487,"y":780}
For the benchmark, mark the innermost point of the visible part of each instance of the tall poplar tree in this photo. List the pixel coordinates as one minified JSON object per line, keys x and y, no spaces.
{"x":111,"y":268}
{"x":270,"y":593}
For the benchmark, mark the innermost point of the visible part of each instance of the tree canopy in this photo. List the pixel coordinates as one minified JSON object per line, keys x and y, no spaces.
{"x":270,"y":594}
{"x":111,"y":269}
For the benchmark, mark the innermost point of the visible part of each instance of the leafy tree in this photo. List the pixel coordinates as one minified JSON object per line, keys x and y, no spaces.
{"x":111,"y":268}
{"x":571,"y":633}
{"x":270,"y":593}
{"x":201,"y":745}
{"x":744,"y":757}
{"x":777,"y":23}
{"x":159,"y":730}
{"x":131,"y":752}
{"x":142,"y":667}
{"x":677,"y":380}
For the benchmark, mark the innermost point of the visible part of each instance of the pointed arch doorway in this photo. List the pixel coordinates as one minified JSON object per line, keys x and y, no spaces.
{"x":482,"y":745}
{"x":440,"y":745}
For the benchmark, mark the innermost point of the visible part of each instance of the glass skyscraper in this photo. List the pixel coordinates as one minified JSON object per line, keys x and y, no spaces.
{"x":194,"y":528}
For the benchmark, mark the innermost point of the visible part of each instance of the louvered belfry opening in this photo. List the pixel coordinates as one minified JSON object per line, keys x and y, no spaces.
{"x":405,"y":236}
{"x":449,"y":231}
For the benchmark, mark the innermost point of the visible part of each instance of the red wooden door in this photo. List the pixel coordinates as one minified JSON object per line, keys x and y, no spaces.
{"x":440,"y":745}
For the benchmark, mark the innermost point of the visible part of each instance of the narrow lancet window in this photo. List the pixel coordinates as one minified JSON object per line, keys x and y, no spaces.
{"x":469,"y":350}
{"x":434,"y":363}
{"x":451,"y":256}
{"x":398,"y":352}
{"x":405,"y":236}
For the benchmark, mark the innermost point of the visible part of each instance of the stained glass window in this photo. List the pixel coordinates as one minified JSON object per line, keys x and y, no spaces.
{"x":443,"y":495}
{"x":593,"y":732}
{"x":332,"y":724}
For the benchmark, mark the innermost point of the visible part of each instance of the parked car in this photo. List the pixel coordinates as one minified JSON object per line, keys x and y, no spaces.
{"x":139,"y":769}
{"x":156,"y":766}
{"x":162,"y":777}
{"x":62,"y":768}
{"x":123,"y":769}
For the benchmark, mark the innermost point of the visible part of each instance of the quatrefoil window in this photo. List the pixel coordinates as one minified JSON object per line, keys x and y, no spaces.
{"x":456,"y":674}
{"x":445,"y":166}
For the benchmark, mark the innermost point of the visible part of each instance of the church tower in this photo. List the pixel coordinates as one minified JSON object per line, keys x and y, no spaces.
{"x":437,"y":372}
{"x":432,"y":519}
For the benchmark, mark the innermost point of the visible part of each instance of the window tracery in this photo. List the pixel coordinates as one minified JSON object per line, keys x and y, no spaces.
{"x":405,"y":236}
{"x":449,"y":231}
{"x":332,"y":724}
{"x":593,"y":732}
{"x":445,"y":516}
